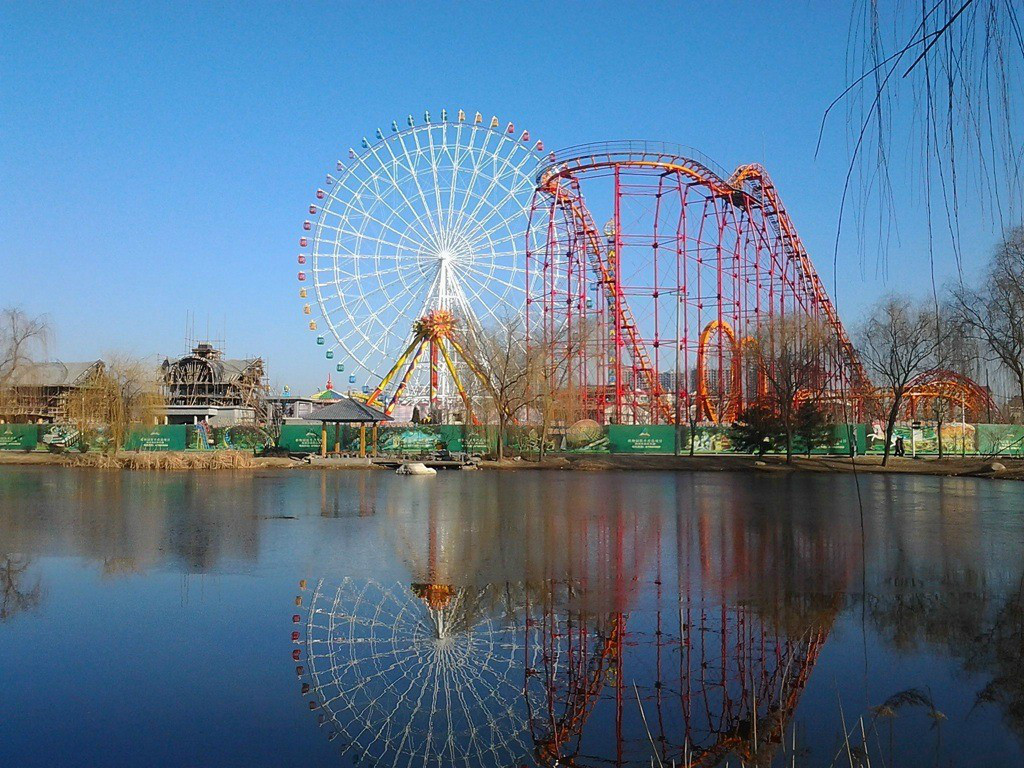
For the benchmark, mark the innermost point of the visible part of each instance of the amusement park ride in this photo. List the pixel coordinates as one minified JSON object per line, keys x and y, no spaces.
{"x":438,"y":231}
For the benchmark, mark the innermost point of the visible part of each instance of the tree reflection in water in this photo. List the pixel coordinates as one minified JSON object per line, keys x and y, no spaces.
{"x":612,"y":635}
{"x":16,"y":595}
{"x":950,"y":596}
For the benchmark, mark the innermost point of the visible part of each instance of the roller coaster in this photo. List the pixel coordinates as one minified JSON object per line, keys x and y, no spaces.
{"x":656,"y":315}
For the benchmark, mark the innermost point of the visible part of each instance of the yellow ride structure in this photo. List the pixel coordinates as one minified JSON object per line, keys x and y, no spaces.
{"x":434,"y":333}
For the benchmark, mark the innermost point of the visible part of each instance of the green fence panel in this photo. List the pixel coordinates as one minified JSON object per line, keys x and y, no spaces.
{"x":839,"y":445}
{"x":861,"y":431}
{"x":591,"y":438}
{"x":623,"y":438}
{"x":18,"y":437}
{"x":167,"y":437}
{"x":413,"y":439}
{"x":1001,"y":439}
{"x":469,"y":438}
{"x":300,"y":438}
{"x":957,"y":439}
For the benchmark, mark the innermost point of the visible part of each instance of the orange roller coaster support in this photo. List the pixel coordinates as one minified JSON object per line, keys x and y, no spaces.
{"x":727,"y":407}
{"x":954,"y":388}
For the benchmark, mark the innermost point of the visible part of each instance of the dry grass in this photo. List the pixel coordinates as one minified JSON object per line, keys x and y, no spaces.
{"x":164,"y":460}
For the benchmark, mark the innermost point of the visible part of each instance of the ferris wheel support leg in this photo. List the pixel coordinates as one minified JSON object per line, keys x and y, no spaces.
{"x":391,"y":374}
{"x":458,"y":383}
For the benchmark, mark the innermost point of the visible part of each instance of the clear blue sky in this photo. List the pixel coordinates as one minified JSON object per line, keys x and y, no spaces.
{"x":157,"y":159}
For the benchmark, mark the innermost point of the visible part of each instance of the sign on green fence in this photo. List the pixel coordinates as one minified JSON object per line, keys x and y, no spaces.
{"x":623,"y":438}
{"x":18,"y":437}
{"x":166,"y":437}
{"x":300,"y":438}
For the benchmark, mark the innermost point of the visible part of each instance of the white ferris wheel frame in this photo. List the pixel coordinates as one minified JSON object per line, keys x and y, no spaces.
{"x":432,"y":216}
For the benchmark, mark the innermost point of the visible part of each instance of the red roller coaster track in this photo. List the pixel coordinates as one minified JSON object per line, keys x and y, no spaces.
{"x":653,"y":311}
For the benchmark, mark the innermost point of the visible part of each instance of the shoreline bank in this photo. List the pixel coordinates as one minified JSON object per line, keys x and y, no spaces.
{"x":979,"y":467}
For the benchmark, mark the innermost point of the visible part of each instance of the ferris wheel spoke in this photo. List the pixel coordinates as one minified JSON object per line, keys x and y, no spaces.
{"x":455,"y":152}
{"x":486,"y":277}
{"x":479,"y":233}
{"x":521,"y":182}
{"x":360,"y":234}
{"x":397,"y":187}
{"x":437,"y":184}
{"x":511,"y":237}
{"x":477,"y":155}
{"x":415,"y":179}
{"x":499,"y":297}
{"x":368,"y":191}
{"x":377,"y":273}
{"x":414,"y":297}
{"x":362,"y":212}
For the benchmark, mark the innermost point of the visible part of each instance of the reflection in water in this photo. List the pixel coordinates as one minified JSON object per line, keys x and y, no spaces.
{"x":412,"y":677}
{"x":19,"y":591}
{"x":516,"y":619}
{"x":613,"y":633}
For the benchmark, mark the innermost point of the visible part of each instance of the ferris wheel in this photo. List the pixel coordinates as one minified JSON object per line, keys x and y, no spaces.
{"x":420,"y":674}
{"x":422,"y":218}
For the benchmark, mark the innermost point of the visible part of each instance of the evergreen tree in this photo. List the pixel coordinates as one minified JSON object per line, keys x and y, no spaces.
{"x":757,"y":430}
{"x":813,"y":426}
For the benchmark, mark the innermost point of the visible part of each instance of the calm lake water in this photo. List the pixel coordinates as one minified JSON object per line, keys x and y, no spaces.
{"x":508,"y":619}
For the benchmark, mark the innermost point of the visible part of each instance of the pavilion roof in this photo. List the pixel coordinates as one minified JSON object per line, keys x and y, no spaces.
{"x":348,"y":410}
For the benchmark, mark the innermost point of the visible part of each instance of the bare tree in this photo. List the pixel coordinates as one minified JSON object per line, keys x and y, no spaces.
{"x":898,"y":341}
{"x":125,"y":395}
{"x":791,"y":352}
{"x":508,"y":370}
{"x":557,"y":378}
{"x":994,"y":313}
{"x":22,"y":340}
{"x":959,"y":352}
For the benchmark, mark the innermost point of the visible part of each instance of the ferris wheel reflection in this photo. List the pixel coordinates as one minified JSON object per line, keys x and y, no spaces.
{"x":615,"y":637}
